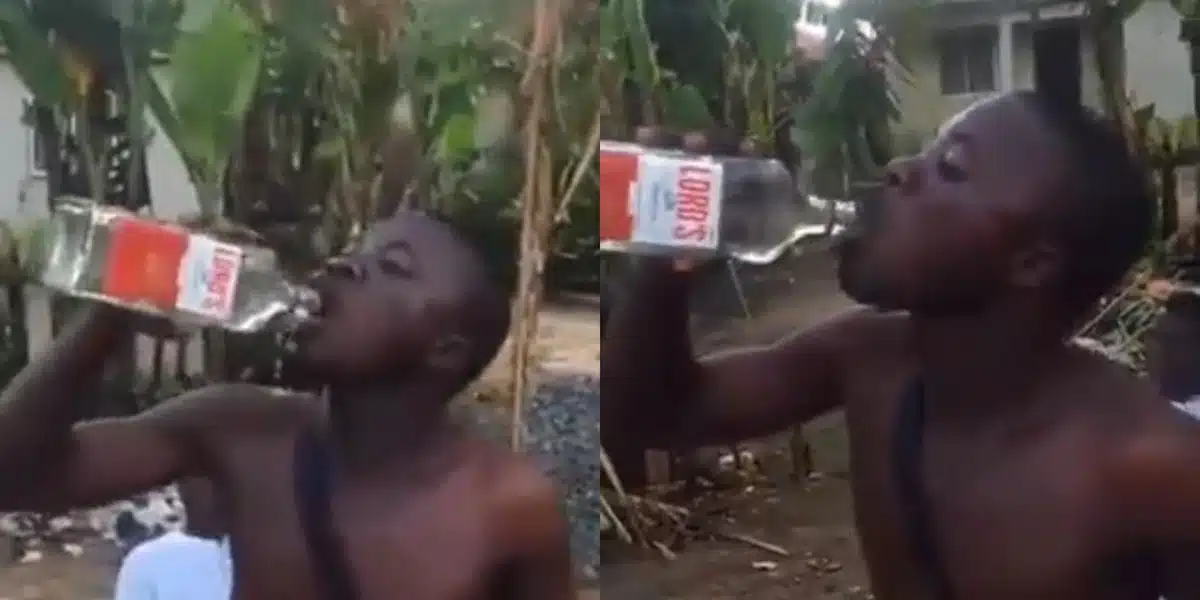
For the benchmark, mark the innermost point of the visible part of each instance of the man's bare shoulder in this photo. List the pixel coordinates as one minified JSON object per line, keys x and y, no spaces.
{"x":1154,"y":483}
{"x":527,"y":498}
{"x":859,"y":332}
{"x":1125,"y":406}
{"x":513,"y":483}
{"x":510,"y":478}
{"x":1149,"y":446}
{"x":865,"y":320}
{"x":237,"y":407}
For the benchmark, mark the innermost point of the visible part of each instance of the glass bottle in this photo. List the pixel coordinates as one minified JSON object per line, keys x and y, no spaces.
{"x":111,"y":255}
{"x":671,"y":203}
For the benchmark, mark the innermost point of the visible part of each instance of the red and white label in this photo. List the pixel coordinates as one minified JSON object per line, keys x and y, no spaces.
{"x":208,"y":277}
{"x":169,"y":268}
{"x":660,"y":200}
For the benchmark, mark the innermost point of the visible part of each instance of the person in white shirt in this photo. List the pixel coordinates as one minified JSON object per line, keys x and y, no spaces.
{"x":1173,"y":363}
{"x":192,"y":564}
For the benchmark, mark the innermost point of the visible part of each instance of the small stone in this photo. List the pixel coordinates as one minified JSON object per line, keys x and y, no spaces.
{"x":764,"y":565}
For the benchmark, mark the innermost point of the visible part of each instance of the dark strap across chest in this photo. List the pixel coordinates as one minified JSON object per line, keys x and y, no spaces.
{"x":908,"y":472}
{"x":313,"y":479}
{"x":1140,"y":571}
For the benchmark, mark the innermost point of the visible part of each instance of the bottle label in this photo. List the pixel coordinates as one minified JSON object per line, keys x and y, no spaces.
{"x":659,"y":200}
{"x":171,"y":269}
{"x":208,"y":278}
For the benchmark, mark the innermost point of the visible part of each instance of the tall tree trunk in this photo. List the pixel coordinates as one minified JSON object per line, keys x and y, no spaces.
{"x":1104,"y":24}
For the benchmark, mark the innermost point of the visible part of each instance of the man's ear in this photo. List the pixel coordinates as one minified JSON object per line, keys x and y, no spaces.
{"x":450,"y":353}
{"x":1036,"y":266}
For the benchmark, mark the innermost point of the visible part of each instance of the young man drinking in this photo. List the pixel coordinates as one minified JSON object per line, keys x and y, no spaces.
{"x":992,"y":459}
{"x":368,"y":494}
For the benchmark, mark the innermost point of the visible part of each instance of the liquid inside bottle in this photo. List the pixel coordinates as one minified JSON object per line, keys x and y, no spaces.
{"x":110,"y":255}
{"x":666,"y":202}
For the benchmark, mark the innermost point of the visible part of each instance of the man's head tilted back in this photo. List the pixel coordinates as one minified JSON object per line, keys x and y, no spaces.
{"x":1019,"y":201}
{"x":415,"y":301}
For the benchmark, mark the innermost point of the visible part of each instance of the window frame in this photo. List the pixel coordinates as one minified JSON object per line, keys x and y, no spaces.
{"x":36,"y":163}
{"x":959,"y":51}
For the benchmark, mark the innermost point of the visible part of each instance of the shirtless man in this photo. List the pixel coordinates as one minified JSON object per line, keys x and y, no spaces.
{"x":1047,"y":472}
{"x":418,"y":511}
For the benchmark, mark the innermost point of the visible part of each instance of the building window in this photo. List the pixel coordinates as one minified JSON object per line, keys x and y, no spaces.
{"x":37,"y":153}
{"x":815,"y":12}
{"x":967,"y":58}
{"x":35,"y":145}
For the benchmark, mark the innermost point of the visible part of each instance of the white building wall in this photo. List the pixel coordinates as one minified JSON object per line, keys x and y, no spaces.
{"x":1156,"y":61}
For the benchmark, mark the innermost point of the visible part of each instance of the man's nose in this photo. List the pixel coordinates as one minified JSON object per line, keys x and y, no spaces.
{"x":903,"y":175}
{"x":342,"y":268}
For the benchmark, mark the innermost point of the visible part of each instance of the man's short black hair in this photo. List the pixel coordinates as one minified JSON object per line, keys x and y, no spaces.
{"x":487,"y":322}
{"x":1105,"y":220}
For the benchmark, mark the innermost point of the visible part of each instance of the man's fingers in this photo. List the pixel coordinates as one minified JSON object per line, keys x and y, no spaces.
{"x":685,"y":265}
{"x":656,"y":137}
{"x":1160,"y":289}
{"x":696,"y":142}
{"x":749,"y":147}
{"x":721,"y":142}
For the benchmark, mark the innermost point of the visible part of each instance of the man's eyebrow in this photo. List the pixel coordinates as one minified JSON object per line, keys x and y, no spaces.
{"x":402,"y":246}
{"x":398,"y":245}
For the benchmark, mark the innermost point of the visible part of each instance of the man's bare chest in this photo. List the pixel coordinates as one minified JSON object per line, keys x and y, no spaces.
{"x":430,"y":543}
{"x":1010,"y":516}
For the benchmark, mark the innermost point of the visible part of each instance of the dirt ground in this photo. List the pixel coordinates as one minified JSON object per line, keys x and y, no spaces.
{"x":60,"y":577}
{"x":811,"y":520}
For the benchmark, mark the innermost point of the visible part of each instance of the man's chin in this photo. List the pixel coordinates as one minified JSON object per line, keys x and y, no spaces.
{"x":306,"y":367}
{"x":865,"y":291}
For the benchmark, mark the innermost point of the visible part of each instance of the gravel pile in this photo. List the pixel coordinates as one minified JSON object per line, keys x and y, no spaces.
{"x":563,"y":433}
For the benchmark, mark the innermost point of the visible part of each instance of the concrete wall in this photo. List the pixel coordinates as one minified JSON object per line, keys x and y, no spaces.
{"x":1156,"y":71}
{"x":1156,"y":61}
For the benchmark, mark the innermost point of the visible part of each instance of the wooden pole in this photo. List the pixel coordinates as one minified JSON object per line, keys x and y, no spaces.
{"x":538,"y":206}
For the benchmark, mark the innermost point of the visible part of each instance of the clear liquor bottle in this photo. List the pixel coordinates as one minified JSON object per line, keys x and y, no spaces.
{"x":668,"y":202}
{"x":111,"y":255}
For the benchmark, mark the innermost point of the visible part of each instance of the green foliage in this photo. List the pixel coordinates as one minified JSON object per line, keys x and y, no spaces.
{"x":285,"y":112}
{"x":844,"y":123}
{"x":28,"y":49}
{"x":213,"y":79}
{"x":694,"y":64}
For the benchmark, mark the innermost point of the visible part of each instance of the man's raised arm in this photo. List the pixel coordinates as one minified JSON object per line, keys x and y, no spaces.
{"x":656,"y":391}
{"x":48,"y":461}
{"x":109,"y":459}
{"x":53,"y":390}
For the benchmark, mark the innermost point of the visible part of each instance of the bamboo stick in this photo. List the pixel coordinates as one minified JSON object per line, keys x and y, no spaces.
{"x":537,"y":197}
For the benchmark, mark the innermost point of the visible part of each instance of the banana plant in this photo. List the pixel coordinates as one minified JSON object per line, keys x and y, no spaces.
{"x":211,"y":80}
{"x":843,"y":125}
{"x":1188,"y":9}
{"x":32,"y":55}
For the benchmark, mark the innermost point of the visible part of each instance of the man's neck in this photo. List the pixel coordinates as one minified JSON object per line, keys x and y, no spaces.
{"x":379,"y":427}
{"x":984,"y":365}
